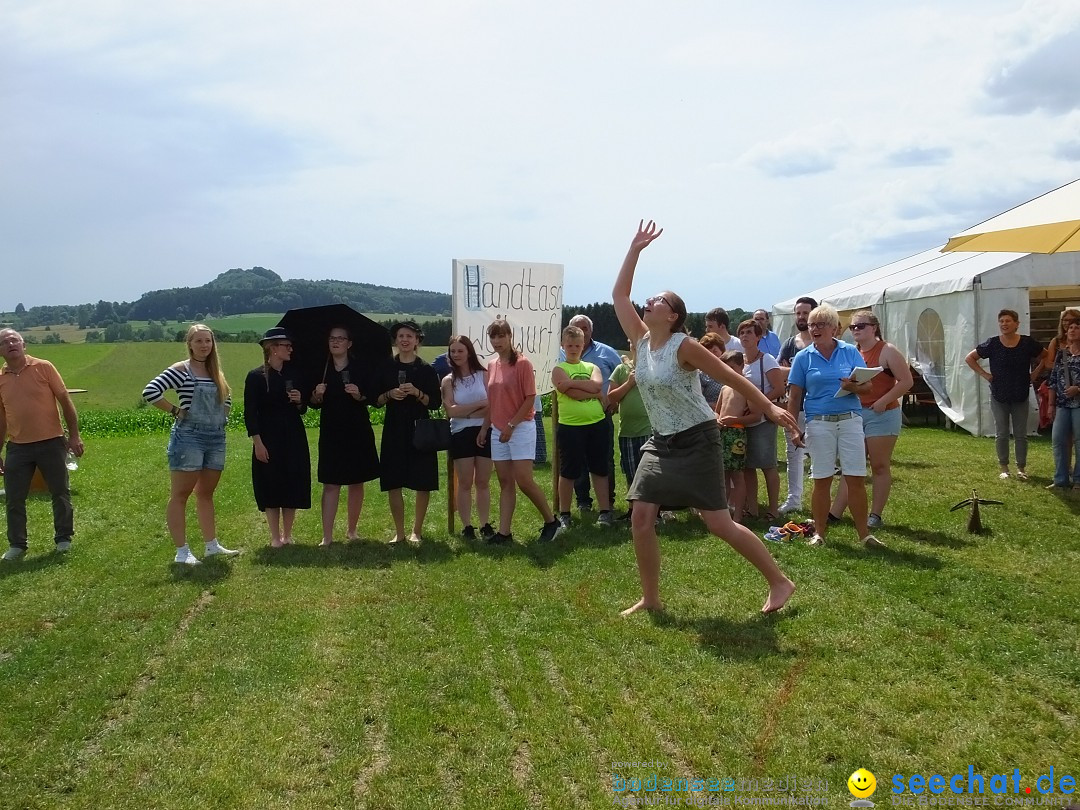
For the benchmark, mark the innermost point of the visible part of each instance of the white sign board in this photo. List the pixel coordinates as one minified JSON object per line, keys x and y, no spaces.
{"x":527,"y":294}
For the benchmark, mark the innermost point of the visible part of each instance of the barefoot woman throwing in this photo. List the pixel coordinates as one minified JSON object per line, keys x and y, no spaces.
{"x":682,"y":464}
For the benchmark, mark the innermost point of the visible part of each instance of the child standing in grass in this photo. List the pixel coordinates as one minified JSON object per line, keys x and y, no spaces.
{"x":582,"y":431}
{"x":511,"y":394}
{"x":634,"y":425}
{"x":733,"y":412}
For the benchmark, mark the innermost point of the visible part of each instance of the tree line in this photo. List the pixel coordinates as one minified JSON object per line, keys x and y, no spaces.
{"x":237,"y":292}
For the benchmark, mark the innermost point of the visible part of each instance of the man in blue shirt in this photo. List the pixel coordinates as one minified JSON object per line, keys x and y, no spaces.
{"x":606,"y":359}
{"x":769,"y":343}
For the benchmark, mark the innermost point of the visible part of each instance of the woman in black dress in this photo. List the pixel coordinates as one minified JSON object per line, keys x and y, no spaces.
{"x":280,"y":460}
{"x":409,"y":389}
{"x":347,"y":454}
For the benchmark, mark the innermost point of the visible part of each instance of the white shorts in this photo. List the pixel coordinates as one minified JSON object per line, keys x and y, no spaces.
{"x":522,"y":444}
{"x":828,"y":441}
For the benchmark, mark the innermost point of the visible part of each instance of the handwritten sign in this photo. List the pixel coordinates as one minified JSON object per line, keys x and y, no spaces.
{"x":528,"y":295}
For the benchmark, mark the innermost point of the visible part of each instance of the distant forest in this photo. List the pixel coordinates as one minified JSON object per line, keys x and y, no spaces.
{"x":239,"y":292}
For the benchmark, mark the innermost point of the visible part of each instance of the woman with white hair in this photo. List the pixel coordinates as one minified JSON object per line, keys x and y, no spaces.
{"x":834,"y":425}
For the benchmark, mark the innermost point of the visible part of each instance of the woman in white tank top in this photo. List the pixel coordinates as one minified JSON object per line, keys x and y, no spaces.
{"x":682,"y":464}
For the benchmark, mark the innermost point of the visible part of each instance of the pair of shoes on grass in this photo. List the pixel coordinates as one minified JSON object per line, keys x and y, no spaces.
{"x":185,"y":556}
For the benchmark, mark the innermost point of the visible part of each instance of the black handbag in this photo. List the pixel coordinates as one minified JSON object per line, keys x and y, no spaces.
{"x":431,"y":435}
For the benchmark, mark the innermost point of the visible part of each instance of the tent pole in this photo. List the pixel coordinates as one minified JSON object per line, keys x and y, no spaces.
{"x":976,"y":288}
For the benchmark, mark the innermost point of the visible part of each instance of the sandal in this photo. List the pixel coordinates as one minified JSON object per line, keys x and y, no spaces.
{"x":772,"y":517}
{"x":1021,"y":475}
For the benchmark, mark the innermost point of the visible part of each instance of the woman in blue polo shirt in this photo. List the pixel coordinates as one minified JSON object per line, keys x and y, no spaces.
{"x":833,"y":423}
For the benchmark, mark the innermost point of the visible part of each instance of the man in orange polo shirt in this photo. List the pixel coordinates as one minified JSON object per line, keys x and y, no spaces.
{"x":29,"y":392}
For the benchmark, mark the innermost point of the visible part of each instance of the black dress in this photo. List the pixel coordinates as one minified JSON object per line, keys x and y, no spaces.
{"x":346,"y":441}
{"x":284,"y":482}
{"x":403,"y":466}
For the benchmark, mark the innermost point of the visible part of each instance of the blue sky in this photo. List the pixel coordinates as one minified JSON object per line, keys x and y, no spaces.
{"x":782,"y":145}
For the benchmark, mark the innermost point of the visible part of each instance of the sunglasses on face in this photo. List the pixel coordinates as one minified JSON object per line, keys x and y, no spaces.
{"x":859,"y":325}
{"x":656,"y":299}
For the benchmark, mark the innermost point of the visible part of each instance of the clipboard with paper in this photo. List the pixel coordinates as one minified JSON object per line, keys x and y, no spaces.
{"x":861,"y":374}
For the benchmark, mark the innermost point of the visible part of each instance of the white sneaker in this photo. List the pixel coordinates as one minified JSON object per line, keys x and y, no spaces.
{"x":872,"y":542}
{"x":214,"y":547}
{"x":790,"y":506}
{"x":185,"y":557}
{"x":13,"y":553}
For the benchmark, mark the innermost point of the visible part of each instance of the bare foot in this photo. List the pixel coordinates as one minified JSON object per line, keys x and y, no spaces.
{"x":287,"y":541}
{"x":352,"y":538}
{"x":778,"y":596}
{"x":276,"y":543}
{"x":642,"y":605}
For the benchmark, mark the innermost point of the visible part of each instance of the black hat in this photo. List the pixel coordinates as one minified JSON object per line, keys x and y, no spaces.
{"x":413,"y":325}
{"x":275,"y":333}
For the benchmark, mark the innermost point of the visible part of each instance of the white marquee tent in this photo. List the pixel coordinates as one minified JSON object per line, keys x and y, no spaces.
{"x":936,"y":307}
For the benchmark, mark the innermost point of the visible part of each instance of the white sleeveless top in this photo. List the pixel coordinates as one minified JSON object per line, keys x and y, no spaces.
{"x":468,"y":390}
{"x":672,"y":395}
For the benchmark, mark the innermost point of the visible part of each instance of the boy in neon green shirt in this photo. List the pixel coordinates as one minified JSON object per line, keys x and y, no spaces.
{"x":581,"y":432}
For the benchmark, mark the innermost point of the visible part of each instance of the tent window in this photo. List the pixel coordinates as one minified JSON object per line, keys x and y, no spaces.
{"x":930,"y":354}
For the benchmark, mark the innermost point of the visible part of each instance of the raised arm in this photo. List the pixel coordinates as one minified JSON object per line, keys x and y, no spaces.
{"x":629,"y":320}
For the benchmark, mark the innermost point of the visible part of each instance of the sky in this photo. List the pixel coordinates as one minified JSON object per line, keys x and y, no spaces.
{"x":782,"y":145}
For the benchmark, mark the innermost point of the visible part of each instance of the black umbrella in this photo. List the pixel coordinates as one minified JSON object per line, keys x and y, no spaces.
{"x":309,"y":328}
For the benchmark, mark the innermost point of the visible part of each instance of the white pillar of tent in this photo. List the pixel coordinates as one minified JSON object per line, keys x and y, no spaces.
{"x":976,"y":289}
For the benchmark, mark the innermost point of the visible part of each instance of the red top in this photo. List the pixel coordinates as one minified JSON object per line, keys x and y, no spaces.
{"x":508,"y":386}
{"x":880,"y":385}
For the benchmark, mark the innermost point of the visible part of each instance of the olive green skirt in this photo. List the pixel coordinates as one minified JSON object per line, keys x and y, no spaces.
{"x":683,"y":470}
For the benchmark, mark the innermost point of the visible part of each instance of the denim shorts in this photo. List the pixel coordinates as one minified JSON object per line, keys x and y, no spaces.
{"x":196,"y":447}
{"x":881,"y":424}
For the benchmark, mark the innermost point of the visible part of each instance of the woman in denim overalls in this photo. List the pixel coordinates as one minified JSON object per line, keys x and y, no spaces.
{"x":197,"y":441}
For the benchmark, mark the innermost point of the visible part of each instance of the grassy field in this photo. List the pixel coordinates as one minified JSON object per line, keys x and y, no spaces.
{"x":114,"y":374}
{"x":458,"y":675}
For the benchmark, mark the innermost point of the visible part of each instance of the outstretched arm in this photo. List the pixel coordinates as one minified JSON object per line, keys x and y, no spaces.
{"x":629,"y":319}
{"x":693,"y":355}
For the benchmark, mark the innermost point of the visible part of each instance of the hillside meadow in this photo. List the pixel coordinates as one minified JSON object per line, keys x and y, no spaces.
{"x":458,"y":675}
{"x":232,"y":324}
{"x":114,"y":373}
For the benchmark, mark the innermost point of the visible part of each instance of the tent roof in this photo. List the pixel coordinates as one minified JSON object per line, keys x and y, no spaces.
{"x":924,"y":274}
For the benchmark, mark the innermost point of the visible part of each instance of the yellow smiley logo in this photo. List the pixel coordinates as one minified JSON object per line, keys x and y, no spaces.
{"x":862,"y":784}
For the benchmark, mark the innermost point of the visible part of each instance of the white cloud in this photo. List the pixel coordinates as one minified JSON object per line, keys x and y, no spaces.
{"x":811,"y":151}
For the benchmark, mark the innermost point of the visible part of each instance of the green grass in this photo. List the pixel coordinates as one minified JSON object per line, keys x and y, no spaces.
{"x":459,"y":675}
{"x":114,"y":374}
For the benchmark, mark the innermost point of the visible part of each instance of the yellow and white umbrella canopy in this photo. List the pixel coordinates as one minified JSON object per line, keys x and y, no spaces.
{"x":1047,"y":224}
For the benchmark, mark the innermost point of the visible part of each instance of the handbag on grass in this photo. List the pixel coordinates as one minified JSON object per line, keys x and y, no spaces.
{"x":431,"y":435}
